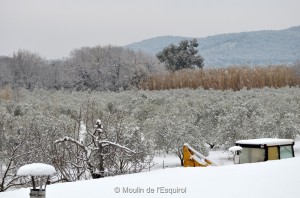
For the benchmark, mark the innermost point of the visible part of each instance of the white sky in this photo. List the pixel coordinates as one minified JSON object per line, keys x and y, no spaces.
{"x":54,"y":27}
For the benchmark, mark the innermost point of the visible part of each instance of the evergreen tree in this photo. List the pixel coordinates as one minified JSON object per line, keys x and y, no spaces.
{"x":181,"y":57}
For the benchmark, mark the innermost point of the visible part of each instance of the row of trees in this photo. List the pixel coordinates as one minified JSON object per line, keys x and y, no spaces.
{"x":94,"y":68}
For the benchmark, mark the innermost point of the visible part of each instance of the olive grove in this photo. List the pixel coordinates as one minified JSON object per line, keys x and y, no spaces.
{"x":58,"y":127}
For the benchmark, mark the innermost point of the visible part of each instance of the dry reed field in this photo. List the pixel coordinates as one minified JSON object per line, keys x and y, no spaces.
{"x":6,"y":93}
{"x":234,"y":78}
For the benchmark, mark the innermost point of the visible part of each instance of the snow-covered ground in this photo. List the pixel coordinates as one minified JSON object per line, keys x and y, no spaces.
{"x":165,"y":161}
{"x":297,"y":146}
{"x":274,"y":179}
{"x":221,"y":157}
{"x":171,"y":160}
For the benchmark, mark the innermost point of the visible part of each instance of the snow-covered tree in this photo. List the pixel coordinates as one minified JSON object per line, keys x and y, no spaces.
{"x":25,"y":68}
{"x":82,"y":133}
{"x":100,"y":154}
{"x":16,"y":150}
{"x":181,"y":57}
{"x":109,"y":68}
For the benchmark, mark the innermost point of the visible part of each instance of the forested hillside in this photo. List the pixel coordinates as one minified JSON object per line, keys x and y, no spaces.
{"x":246,"y":48}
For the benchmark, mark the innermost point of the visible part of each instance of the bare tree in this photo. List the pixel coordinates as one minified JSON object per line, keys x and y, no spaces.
{"x":77,"y":157}
{"x":18,"y":151}
{"x":5,"y":77}
{"x":25,"y":69}
{"x":109,"y":68}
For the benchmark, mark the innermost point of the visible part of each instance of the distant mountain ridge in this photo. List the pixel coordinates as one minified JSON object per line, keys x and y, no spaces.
{"x":264,"y":47}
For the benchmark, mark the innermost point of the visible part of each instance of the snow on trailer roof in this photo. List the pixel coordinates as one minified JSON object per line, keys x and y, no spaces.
{"x":266,"y":141}
{"x":36,"y":169}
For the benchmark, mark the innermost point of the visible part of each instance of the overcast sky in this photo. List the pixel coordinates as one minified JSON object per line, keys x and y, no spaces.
{"x":54,"y":27}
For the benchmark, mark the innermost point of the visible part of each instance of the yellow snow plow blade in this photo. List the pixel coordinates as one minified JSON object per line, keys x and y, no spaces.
{"x":192,"y":158}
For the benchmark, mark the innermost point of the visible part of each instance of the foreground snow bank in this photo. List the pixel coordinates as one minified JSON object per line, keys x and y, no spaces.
{"x":274,"y":179}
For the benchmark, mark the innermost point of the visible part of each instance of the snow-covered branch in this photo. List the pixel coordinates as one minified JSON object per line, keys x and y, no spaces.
{"x":86,"y":149}
{"x":117,"y":145}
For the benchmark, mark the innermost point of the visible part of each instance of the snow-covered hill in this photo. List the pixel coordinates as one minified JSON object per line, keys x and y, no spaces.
{"x":274,"y":179}
{"x":251,"y":48}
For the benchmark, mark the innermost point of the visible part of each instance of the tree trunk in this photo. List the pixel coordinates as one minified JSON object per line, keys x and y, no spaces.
{"x":101,"y":168}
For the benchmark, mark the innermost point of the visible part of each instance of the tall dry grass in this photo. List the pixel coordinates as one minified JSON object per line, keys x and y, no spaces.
{"x":6,"y":93}
{"x":234,"y":78}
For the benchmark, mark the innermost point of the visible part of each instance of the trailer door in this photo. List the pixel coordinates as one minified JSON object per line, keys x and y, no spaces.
{"x":273,"y":153}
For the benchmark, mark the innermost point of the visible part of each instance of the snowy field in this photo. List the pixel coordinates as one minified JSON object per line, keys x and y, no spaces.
{"x":171,"y":160}
{"x":276,"y":179}
{"x":220,"y":157}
